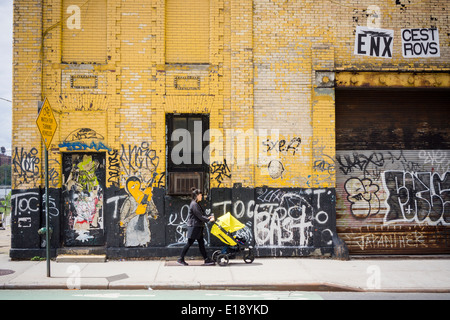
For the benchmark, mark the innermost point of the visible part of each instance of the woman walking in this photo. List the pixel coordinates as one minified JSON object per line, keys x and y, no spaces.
{"x":195,"y":222}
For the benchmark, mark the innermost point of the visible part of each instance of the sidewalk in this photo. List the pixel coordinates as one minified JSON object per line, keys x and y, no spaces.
{"x":293,"y":274}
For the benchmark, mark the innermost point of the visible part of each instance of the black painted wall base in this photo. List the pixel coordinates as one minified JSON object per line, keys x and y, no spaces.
{"x":280,"y":222}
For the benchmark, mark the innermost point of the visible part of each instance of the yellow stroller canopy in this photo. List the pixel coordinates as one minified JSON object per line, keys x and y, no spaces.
{"x":224,"y":224}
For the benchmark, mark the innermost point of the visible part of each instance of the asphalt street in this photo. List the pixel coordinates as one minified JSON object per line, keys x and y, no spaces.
{"x":202,"y":295}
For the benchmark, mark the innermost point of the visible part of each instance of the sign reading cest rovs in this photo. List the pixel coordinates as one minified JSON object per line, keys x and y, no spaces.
{"x":420,"y":43}
{"x":46,"y":123}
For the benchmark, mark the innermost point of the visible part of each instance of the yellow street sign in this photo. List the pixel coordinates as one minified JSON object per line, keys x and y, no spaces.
{"x":46,"y":123}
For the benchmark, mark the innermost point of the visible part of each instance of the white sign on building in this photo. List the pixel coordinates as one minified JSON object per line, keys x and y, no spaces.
{"x":420,"y":43}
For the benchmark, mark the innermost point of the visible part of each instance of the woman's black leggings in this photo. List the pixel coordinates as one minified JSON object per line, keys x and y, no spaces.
{"x":201,"y":246}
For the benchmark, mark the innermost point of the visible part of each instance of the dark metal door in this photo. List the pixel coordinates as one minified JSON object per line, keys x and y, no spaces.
{"x":83,"y":195}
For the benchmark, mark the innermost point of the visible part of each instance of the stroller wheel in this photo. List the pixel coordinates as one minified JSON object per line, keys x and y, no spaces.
{"x":223,"y":260}
{"x":215,"y":255}
{"x":249,"y":257}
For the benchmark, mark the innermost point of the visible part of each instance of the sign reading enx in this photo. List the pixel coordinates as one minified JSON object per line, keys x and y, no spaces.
{"x":374,"y":42}
{"x":420,"y":43}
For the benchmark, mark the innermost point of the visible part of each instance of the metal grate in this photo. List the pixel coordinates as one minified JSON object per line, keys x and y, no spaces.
{"x":180,"y":183}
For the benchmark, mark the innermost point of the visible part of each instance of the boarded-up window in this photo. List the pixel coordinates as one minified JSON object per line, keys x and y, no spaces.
{"x":187,"y":31}
{"x":84,"y":31}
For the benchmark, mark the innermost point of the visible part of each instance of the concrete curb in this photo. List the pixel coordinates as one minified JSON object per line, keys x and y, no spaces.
{"x":303,"y":288}
{"x":306,"y":287}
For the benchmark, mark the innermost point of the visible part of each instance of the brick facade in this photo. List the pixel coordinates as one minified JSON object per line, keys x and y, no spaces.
{"x":264,"y":71}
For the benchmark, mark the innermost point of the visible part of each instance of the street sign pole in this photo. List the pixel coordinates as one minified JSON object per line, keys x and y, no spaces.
{"x":47,"y":125}
{"x":47,"y":233}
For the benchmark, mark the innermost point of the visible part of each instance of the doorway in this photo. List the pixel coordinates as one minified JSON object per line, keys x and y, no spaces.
{"x":83,"y":189}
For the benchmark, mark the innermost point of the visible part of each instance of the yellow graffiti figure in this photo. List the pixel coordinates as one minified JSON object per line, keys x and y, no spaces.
{"x":141,"y":197}
{"x":135,"y":212}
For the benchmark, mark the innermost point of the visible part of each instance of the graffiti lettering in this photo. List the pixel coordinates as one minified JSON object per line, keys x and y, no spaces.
{"x":439,"y":160}
{"x":324,"y":165}
{"x":116,"y":200}
{"x":359,"y":162}
{"x":374,"y":162}
{"x":82,"y":146}
{"x":54,"y":173}
{"x":28,"y":204}
{"x":282,"y":218}
{"x":417,"y":196}
{"x":220,"y":170}
{"x":140,"y":161}
{"x":25,"y":203}
{"x":179,"y":221}
{"x":26,"y":165}
{"x":362,"y":194}
{"x":282,"y":146}
{"x":83,"y":134}
{"x":391,"y":240}
{"x":113,"y":167}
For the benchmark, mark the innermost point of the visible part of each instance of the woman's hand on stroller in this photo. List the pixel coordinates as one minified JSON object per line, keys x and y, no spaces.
{"x":211,"y":218}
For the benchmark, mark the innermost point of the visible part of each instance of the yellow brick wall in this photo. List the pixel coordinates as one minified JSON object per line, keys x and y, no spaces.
{"x":393,"y":15}
{"x":27,"y":81}
{"x":187,"y":31}
{"x":84,"y":31}
{"x":241,"y":92}
{"x":252,"y":65}
{"x":286,"y":34}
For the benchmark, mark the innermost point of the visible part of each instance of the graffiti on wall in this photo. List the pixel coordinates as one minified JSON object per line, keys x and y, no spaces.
{"x":139,"y":164}
{"x":283,"y":146}
{"x":402,"y":186}
{"x":420,"y":197}
{"x":363,"y":197}
{"x":135,"y":213}
{"x":84,"y":139}
{"x":276,"y":219}
{"x":394,"y":199}
{"x":220,"y":171}
{"x":83,"y":195}
{"x":273,"y":149}
{"x":25,"y":166}
{"x":177,"y":223}
{"x":324,"y":165}
{"x":113,"y":172}
{"x":140,"y":161}
{"x":26,"y":207}
{"x":283,"y":217}
{"x":287,"y":221}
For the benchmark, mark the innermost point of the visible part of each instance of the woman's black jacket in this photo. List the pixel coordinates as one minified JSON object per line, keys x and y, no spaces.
{"x":196,"y":217}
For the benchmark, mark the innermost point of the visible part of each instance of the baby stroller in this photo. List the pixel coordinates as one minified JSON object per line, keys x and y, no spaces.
{"x":223,"y":229}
